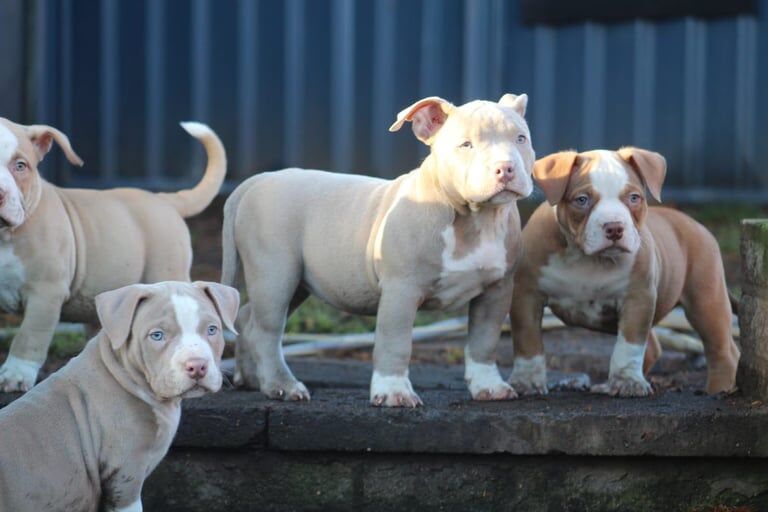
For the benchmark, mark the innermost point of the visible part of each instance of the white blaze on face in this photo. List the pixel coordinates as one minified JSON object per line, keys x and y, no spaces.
{"x":11,"y":211}
{"x":609,"y":179}
{"x":191,"y":345}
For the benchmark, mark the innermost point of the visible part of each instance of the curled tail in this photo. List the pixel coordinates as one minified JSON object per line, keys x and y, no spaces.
{"x":230,"y":260}
{"x":194,"y":200}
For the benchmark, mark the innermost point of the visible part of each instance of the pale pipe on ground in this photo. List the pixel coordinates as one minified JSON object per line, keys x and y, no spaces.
{"x":752,"y":377}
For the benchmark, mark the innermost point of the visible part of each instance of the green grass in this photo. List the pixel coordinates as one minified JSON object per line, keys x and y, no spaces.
{"x":63,"y":346}
{"x":724,"y":221}
{"x":315,"y":316}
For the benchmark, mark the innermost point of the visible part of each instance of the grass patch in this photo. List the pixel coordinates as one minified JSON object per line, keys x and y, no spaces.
{"x":63,"y":346}
{"x":315,"y":316}
{"x":724,"y":221}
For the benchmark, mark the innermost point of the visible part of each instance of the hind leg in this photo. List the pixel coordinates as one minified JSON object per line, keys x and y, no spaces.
{"x":273,"y":291}
{"x":708,"y":309}
{"x":709,"y":312}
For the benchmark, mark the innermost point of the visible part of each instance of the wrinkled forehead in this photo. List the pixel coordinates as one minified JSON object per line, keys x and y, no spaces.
{"x":605,"y":171}
{"x":14,"y":141}
{"x":177,"y":303}
{"x":485,"y":118}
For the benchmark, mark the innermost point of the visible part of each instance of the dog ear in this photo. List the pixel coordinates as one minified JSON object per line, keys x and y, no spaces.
{"x":651,"y":166}
{"x":116,"y":310}
{"x":427,"y":115}
{"x":225,"y":298}
{"x":515,"y":102}
{"x":553,"y":172}
{"x":42,"y":137}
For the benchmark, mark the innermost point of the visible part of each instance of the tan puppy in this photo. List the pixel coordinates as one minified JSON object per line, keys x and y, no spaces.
{"x":439,"y":237}
{"x":87,"y":437}
{"x":59,"y":247}
{"x":601,"y":259}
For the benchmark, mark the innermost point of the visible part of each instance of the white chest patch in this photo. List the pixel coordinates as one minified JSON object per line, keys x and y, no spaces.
{"x":464,"y":278}
{"x":12,"y":277}
{"x":586,"y":292}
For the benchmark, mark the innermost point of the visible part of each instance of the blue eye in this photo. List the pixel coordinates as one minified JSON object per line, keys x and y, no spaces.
{"x":21,"y":166}
{"x":581,"y":201}
{"x":522,"y":139}
{"x":157,"y":335}
{"x":212,"y":330}
{"x":635,"y":198}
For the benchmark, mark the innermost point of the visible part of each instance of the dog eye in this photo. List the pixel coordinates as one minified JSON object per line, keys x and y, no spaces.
{"x":522,"y":139}
{"x":635,"y":198}
{"x":581,"y":201}
{"x":212,"y":330}
{"x":21,"y":166}
{"x":466,"y":145}
{"x":157,"y":335}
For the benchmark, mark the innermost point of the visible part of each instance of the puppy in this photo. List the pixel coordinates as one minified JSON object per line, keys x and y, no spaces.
{"x":602,"y":259}
{"x":59,"y":247}
{"x":89,"y":435}
{"x":439,"y":237}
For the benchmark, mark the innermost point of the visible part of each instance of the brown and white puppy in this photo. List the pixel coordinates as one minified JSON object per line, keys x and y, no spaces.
{"x":87,"y":437}
{"x":602,"y":259}
{"x":439,"y":237}
{"x":59,"y":247}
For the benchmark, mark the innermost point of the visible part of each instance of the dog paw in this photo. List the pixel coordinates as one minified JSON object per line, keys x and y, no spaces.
{"x":501,"y":391}
{"x":393,"y":391}
{"x":289,"y":392}
{"x":529,"y":375}
{"x":624,"y":387}
{"x":484,"y":381}
{"x":17,"y":375}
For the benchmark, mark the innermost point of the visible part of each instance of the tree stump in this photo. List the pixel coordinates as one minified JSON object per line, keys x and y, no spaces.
{"x":752,"y":377}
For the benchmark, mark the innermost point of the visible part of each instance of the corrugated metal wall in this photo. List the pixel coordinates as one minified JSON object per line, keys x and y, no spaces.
{"x":317,"y":83}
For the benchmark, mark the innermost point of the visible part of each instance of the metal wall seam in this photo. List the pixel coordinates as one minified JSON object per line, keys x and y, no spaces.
{"x":384,"y":37}
{"x":200,"y":62}
{"x":154,"y":88}
{"x":694,"y":85}
{"x":343,"y":84}
{"x":746,"y":71}
{"x":644,"y":81}
{"x":247,"y":88}
{"x":593,"y":100}
{"x":294,"y":81}
{"x":109,"y":122}
{"x":543,"y":124}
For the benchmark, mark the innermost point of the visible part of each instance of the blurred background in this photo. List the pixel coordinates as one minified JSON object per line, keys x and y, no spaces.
{"x":316,"y":83}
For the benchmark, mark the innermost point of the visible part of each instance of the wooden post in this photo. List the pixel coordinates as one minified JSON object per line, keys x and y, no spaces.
{"x":752,"y":377}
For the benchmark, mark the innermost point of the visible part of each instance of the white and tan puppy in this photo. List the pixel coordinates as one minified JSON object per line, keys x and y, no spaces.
{"x":86,"y":438}
{"x":439,"y":237}
{"x":602,"y":259}
{"x":60,"y":247}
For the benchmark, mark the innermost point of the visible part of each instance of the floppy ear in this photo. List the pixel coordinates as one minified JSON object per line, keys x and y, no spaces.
{"x":516,"y":103}
{"x":427,"y":115}
{"x":225,"y":298}
{"x":42,"y":137}
{"x":553,"y":172}
{"x":651,"y":166}
{"x":116,"y":310}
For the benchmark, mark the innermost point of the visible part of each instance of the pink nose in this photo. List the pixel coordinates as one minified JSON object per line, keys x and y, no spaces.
{"x":613,"y":230}
{"x":196,"y":367}
{"x":504,"y":171}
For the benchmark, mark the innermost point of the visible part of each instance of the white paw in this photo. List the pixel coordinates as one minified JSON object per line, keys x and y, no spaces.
{"x":624,"y":385}
{"x":18,"y":374}
{"x":294,"y":391}
{"x":529,"y":375}
{"x":484,"y":381}
{"x":393,"y":391}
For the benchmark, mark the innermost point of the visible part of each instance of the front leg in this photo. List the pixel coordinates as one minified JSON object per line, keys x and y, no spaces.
{"x":390,"y":385}
{"x":625,"y":376}
{"x":486,"y":315}
{"x":529,"y":373}
{"x":30,"y":345}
